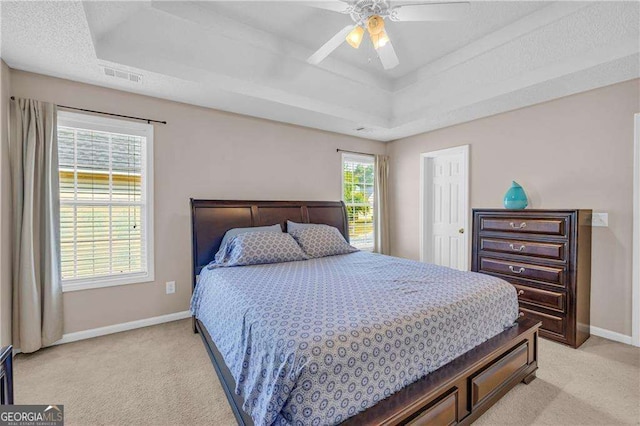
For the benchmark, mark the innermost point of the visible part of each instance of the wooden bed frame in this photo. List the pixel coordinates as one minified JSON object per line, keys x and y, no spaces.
{"x":457,"y":393}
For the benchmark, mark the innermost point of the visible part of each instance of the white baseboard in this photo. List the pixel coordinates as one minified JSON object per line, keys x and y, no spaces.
{"x":117,"y":328}
{"x":611,"y":335}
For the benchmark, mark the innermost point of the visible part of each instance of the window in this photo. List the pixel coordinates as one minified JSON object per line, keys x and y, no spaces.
{"x":106,"y":201}
{"x":358,"y":195}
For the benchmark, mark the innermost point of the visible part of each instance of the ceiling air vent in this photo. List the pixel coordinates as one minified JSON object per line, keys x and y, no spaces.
{"x":123,"y":75}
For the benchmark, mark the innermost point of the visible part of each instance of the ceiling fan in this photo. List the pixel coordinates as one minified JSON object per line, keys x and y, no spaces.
{"x":370,"y":15}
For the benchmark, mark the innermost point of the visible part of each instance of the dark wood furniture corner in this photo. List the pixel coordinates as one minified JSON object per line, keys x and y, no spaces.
{"x":6,"y":375}
{"x":457,"y":393}
{"x":546,"y":256}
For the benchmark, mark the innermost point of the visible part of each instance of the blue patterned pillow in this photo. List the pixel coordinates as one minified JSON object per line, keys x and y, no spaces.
{"x":294,"y":226}
{"x":321,"y":241}
{"x":257,"y":248}
{"x":237,"y":231}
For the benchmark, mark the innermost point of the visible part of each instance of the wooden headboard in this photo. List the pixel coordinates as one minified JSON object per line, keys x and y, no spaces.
{"x":210,"y":219}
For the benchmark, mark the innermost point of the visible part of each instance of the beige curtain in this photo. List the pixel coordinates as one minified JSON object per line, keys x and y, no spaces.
{"x":37,"y":291}
{"x":381,"y":213}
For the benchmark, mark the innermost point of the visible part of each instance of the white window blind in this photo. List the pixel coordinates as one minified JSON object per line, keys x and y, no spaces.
{"x":358,"y":180}
{"x":105,"y":225}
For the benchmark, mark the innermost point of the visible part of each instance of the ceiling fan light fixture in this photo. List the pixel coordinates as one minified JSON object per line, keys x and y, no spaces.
{"x":355,"y":36}
{"x":370,"y":15}
{"x":383,"y":39}
{"x":380,"y":39}
{"x":375,"y":24}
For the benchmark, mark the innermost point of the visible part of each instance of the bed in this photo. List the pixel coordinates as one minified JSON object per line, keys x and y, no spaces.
{"x":356,"y":338}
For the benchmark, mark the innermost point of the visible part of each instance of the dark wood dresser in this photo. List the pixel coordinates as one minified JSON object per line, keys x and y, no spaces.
{"x":6,"y":375}
{"x":546,"y":255}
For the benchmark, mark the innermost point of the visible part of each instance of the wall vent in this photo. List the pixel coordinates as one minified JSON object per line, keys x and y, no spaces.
{"x":121,"y":74}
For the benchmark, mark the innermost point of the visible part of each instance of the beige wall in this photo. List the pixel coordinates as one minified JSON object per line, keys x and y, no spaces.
{"x":573,"y":152}
{"x":200,"y":153}
{"x":5,"y":203}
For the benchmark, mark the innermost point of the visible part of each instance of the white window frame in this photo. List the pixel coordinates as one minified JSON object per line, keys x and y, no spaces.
{"x":365,"y":159}
{"x":103,"y":124}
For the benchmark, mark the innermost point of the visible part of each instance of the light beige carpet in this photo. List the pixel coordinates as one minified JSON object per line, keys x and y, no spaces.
{"x":162,"y":375}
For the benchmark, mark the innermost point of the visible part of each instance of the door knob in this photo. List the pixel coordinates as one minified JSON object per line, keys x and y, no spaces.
{"x":461,"y":230}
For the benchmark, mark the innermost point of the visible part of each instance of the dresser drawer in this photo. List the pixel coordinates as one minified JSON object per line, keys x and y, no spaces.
{"x":535,"y":296}
{"x":551,"y":323}
{"x":548,"y":274}
{"x":554,"y":251}
{"x":546,"y":256}
{"x":524,"y":225}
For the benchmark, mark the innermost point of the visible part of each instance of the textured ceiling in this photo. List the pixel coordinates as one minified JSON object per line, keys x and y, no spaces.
{"x":250,"y":58}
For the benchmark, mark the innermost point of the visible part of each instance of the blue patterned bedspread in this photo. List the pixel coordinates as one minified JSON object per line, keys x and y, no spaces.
{"x":316,"y":341}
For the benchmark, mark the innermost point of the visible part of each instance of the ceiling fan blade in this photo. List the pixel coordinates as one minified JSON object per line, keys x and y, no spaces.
{"x":430,"y":12}
{"x":333,"y":43}
{"x":388,"y":57}
{"x":332,"y":5}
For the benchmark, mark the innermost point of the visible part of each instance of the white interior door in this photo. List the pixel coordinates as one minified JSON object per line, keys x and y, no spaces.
{"x":445,"y":208}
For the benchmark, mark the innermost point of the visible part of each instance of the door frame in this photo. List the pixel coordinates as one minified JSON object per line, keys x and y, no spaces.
{"x":425,"y":216}
{"x":635,"y":260}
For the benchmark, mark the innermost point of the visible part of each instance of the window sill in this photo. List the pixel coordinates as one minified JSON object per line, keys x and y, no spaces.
{"x":93,"y":283}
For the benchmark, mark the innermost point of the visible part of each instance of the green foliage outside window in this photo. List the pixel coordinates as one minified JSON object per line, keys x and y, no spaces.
{"x":358,"y":195}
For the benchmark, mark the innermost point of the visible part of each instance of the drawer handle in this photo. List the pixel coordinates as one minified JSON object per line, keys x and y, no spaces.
{"x":520,"y":314}
{"x":522,"y":225}
{"x":522,"y":247}
{"x":518,"y":271}
{"x":520,"y":293}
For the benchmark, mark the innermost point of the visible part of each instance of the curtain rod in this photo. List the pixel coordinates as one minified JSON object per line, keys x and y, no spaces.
{"x":355,"y":152}
{"x":148,"y":120}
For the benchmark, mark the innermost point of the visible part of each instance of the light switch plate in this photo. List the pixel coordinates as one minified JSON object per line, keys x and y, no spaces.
{"x":600,"y":219}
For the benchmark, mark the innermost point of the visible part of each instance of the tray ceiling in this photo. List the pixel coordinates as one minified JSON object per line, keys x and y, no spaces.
{"x":250,"y":58}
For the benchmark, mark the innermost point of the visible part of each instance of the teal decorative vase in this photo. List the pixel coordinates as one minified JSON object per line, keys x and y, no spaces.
{"x":515,"y":198}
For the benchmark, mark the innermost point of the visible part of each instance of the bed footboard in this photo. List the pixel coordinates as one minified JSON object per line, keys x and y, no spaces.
{"x":457,"y":393}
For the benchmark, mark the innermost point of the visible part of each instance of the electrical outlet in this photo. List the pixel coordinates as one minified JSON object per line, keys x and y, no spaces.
{"x":171,"y":287}
{"x":600,"y":219}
